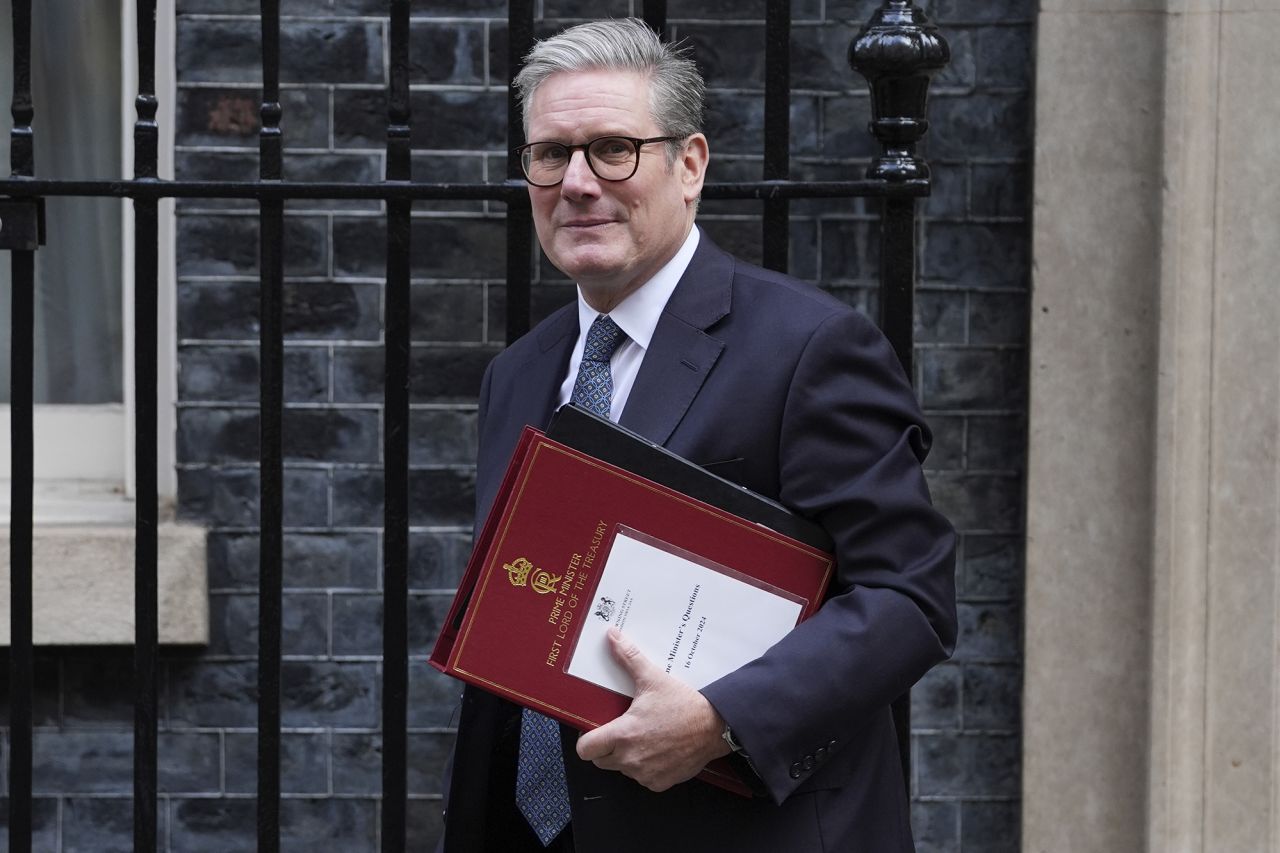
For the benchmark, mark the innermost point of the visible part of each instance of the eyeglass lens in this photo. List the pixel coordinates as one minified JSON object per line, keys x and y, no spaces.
{"x":612,"y":158}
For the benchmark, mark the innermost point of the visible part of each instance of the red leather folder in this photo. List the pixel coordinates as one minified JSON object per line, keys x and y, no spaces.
{"x":530,"y":583}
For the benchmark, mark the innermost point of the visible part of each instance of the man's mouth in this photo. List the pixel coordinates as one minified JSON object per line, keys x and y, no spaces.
{"x":586,"y":223}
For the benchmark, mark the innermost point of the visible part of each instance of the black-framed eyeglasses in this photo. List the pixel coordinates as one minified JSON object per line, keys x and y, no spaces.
{"x":611,"y":158}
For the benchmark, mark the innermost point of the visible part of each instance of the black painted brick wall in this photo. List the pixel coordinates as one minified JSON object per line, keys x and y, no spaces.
{"x":970,"y":373}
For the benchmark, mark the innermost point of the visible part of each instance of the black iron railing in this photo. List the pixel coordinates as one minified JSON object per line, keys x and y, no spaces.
{"x":897,"y":52}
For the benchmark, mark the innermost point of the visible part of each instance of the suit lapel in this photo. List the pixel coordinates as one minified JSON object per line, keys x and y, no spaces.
{"x":681,"y":354}
{"x":536,"y":393}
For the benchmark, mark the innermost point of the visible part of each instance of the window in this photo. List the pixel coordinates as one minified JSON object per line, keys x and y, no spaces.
{"x":83,"y":84}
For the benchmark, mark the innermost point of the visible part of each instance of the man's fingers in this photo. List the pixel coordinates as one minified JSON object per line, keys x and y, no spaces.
{"x":595,"y":744}
{"x":629,"y":656}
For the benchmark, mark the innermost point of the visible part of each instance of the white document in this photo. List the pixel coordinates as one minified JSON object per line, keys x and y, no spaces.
{"x":696,"y":622}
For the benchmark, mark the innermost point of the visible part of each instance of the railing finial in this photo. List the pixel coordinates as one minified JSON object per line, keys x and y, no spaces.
{"x":898,"y":52}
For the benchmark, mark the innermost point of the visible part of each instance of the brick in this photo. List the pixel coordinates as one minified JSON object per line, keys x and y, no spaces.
{"x":437,"y":497}
{"x":936,"y":826}
{"x":229,"y":116}
{"x":211,"y":51}
{"x":979,"y":125}
{"x":438,"y":374}
{"x":311,"y":824}
{"x":323,"y":693}
{"x":844,"y":122}
{"x":44,"y":822}
{"x":219,"y":436}
{"x":357,"y":624}
{"x":442,"y":437}
{"x":213,"y":825}
{"x":947,"y":13}
{"x":850,"y":251}
{"x":819,"y":58}
{"x":545,"y":298}
{"x":446,"y":53}
{"x":992,"y":567}
{"x":446,"y":168}
{"x":440,"y":248}
{"x":935,"y":699}
{"x":212,"y":694}
{"x":1001,"y":189}
{"x":947,"y":451}
{"x":82,"y":762}
{"x":189,"y":762}
{"x":858,"y":11}
{"x":228,"y":310}
{"x":973,"y":378}
{"x":727,"y":56}
{"x":97,"y":690}
{"x":233,"y":624}
{"x":998,"y":318}
{"x":1003,"y":56}
{"x":584,"y":9}
{"x":997,"y":443}
{"x":304,"y":763}
{"x":735,"y":123}
{"x":230,"y":374}
{"x":358,"y":621}
{"x":941,"y":316}
{"x":311,"y":560}
{"x":357,"y":763}
{"x":97,"y":825}
{"x":978,"y":502}
{"x":738,"y":237}
{"x":448,"y":312}
{"x":437,"y":8}
{"x":977,"y":255}
{"x":989,"y":632}
{"x":949,"y":191}
{"x":437,"y":560}
{"x":991,"y":827}
{"x":228,"y":245}
{"x":229,"y":497}
{"x":961,"y":71}
{"x":992,"y":696}
{"x":970,"y":765}
{"x":458,"y":121}
{"x":433,"y":696}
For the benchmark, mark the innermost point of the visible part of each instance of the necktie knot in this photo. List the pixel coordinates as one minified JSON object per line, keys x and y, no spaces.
{"x":603,"y":338}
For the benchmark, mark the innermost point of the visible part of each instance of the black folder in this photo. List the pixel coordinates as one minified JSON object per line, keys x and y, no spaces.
{"x":582,"y":430}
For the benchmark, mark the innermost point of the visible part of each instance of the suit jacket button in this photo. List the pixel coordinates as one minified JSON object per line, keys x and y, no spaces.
{"x":820,"y":754}
{"x":795,"y":770}
{"x":808,"y":762}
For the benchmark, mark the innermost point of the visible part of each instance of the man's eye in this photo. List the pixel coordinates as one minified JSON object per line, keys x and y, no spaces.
{"x":551,"y":154}
{"x":613,"y":148}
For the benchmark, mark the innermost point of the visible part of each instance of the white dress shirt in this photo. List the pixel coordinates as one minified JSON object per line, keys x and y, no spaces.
{"x":637,"y":316}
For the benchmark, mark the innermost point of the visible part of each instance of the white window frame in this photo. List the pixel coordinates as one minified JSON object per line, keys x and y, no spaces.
{"x":84,"y":454}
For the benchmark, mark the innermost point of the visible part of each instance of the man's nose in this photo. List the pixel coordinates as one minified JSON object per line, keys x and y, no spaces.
{"x":578,"y":179}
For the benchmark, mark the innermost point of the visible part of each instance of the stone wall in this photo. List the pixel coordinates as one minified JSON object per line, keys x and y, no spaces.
{"x":971,"y":353}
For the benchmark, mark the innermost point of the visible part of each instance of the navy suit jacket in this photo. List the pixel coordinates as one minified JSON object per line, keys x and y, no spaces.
{"x":772,"y":383}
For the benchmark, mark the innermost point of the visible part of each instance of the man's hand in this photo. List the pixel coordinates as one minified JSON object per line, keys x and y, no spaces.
{"x":668,"y":734}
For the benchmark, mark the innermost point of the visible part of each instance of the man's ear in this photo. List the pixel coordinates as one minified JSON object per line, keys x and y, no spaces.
{"x":693,"y":166}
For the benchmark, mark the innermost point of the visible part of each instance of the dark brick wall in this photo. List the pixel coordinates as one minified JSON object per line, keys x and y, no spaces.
{"x":971,"y":353}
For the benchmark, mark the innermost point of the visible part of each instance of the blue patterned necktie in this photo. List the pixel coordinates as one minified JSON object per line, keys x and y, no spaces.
{"x":541,"y":792}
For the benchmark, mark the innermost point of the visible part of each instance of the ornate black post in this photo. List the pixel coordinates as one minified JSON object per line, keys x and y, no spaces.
{"x":898,"y":52}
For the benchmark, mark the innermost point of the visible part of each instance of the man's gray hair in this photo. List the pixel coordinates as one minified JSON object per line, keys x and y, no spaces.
{"x":676,"y":88}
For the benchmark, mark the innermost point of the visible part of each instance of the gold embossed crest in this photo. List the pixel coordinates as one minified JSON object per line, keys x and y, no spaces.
{"x":520,"y":570}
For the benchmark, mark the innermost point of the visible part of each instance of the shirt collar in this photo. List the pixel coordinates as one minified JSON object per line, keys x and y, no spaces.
{"x":638,"y":314}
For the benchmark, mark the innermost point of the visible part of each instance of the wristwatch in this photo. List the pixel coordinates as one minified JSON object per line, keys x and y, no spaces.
{"x":727,"y":734}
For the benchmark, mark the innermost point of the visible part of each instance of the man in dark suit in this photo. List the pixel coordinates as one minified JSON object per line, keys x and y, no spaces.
{"x":763,"y":379}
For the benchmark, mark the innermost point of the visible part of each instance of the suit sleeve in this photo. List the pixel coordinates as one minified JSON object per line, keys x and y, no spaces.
{"x":852,"y":442}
